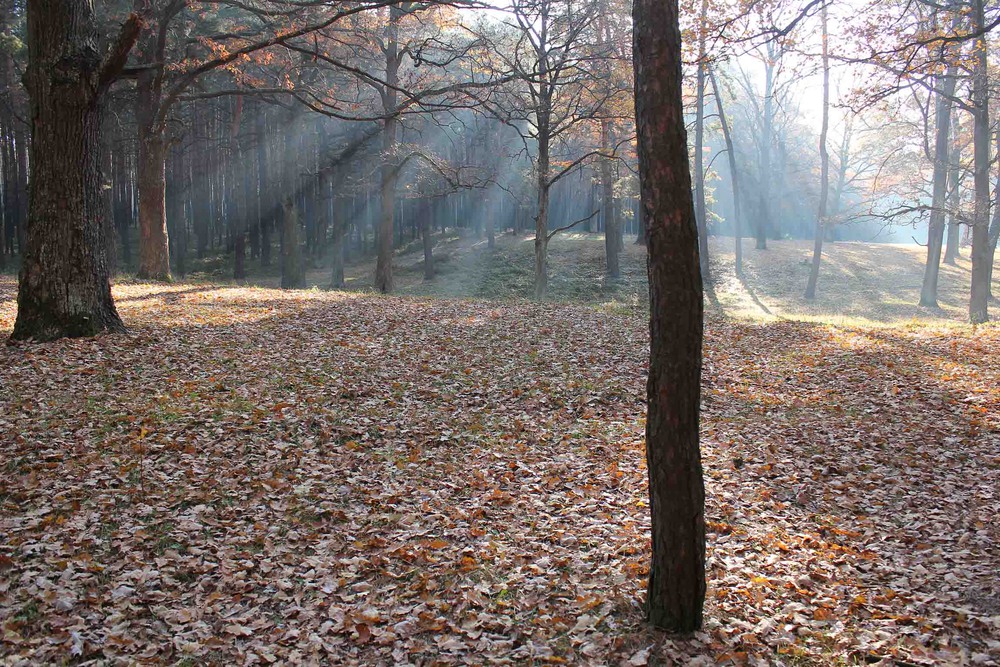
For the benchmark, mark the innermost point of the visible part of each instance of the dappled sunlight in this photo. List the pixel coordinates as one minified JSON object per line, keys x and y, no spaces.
{"x":454,"y":443}
{"x":860,"y":284}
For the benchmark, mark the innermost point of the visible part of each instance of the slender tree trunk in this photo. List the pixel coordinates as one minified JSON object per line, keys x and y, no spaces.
{"x":21,"y":196}
{"x":491,"y":215}
{"x":337,"y":250}
{"x":264,"y":193}
{"x":764,"y":223}
{"x":952,"y":250}
{"x":676,"y":591}
{"x":292,"y":269}
{"x":935,"y":230}
{"x":824,"y":154}
{"x":699,"y":147}
{"x":240,"y":209}
{"x":293,"y":274}
{"x":981,"y":255}
{"x":613,"y":269}
{"x":733,"y":172}
{"x":426,"y":235}
{"x":107,"y":191}
{"x":542,"y":219}
{"x":642,"y":233}
{"x":65,"y":287}
{"x":843,"y":159}
{"x":175,"y":214}
{"x":994,"y":234}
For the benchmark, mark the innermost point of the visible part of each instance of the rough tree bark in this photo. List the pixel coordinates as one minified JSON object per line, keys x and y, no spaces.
{"x":65,"y":287}
{"x":676,"y":590}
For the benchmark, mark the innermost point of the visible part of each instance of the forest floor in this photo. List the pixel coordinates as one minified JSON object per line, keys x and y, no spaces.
{"x":866,"y":284}
{"x":255,"y":476}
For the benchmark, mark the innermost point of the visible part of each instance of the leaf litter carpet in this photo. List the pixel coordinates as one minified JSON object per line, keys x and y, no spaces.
{"x":265,"y":477}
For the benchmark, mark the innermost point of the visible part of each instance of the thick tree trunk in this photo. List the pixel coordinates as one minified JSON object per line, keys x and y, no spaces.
{"x":64,"y":288}
{"x":935,"y":230}
{"x":981,"y":255}
{"x":676,"y":590}
{"x":383,"y":264}
{"x":154,"y":248}
{"x":824,"y":154}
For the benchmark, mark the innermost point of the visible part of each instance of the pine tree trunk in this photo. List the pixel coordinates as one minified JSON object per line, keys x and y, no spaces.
{"x":676,"y":589}
{"x":65,"y":288}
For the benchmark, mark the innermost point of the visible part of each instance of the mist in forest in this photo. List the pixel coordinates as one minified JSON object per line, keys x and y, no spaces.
{"x":357,"y":135}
